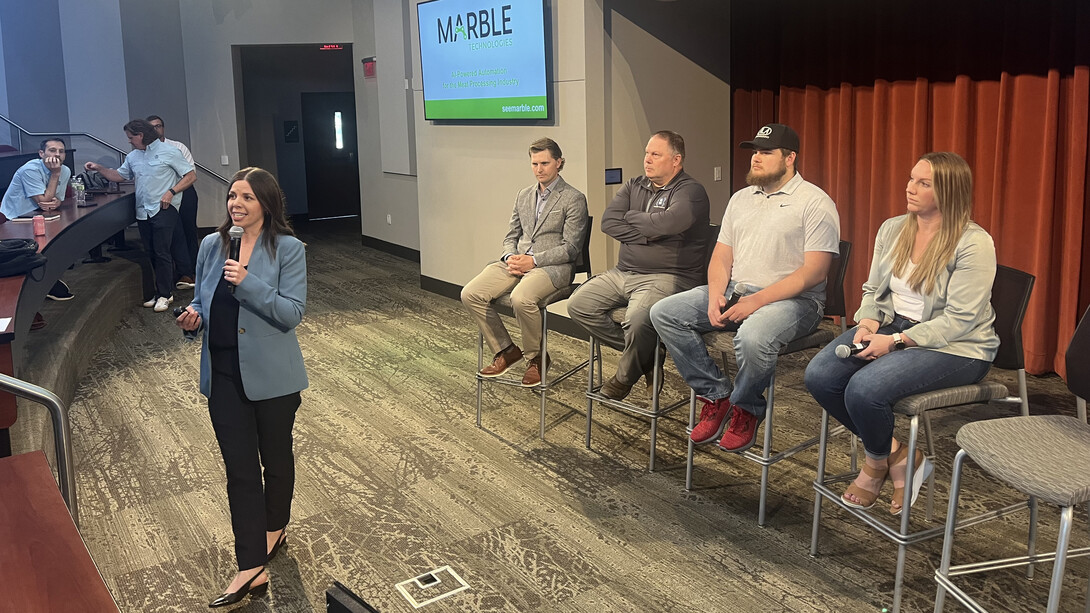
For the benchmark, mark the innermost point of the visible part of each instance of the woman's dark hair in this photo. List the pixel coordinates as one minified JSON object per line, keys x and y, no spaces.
{"x":144,"y":129}
{"x":268,"y":194}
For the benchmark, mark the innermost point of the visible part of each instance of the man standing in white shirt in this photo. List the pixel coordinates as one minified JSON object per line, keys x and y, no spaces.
{"x":185,"y":238}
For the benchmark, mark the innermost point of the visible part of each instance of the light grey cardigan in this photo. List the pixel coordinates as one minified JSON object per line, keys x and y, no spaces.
{"x":957,"y":315}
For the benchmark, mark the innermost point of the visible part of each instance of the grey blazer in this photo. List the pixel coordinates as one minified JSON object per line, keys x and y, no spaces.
{"x":557,"y":237}
{"x":957,"y":316}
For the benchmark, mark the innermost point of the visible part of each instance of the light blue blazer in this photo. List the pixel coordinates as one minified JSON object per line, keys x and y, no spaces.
{"x":272,"y":299}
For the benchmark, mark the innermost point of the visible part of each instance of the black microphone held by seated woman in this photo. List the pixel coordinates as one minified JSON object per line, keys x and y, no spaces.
{"x":249,"y":296}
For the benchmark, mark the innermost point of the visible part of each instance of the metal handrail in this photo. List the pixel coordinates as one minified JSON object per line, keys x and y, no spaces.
{"x":62,"y":434}
{"x":98,"y":140}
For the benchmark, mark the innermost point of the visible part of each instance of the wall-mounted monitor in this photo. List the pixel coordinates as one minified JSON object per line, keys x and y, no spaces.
{"x":482,"y":60}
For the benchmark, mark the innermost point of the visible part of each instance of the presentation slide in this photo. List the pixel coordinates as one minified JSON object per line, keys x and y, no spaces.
{"x":483,"y":61}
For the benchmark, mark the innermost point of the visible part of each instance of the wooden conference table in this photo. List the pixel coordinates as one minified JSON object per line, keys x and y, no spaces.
{"x":66,"y":241}
{"x":44,"y":563}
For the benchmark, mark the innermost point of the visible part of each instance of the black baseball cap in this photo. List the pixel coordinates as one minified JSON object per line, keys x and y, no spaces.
{"x":773,"y":136}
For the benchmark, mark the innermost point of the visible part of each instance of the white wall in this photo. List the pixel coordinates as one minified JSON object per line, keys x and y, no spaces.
{"x":612,"y":90}
{"x":211,"y":27}
{"x":652,"y":88}
{"x":381,"y":193}
{"x":468,"y":176}
{"x":5,"y":136}
{"x":94,"y":68}
{"x":395,"y":103}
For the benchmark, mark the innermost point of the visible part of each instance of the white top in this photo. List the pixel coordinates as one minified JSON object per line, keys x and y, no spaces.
{"x":185,"y":150}
{"x":906,"y":302}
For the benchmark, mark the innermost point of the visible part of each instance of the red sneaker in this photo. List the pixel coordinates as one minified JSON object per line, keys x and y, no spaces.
{"x":742,"y":432}
{"x":713,"y":418}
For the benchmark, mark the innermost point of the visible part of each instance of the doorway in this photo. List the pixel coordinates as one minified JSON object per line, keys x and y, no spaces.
{"x":271,"y":81}
{"x":329,"y":146}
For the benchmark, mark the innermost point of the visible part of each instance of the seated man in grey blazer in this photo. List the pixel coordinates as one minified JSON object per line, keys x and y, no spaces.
{"x":538,"y":257}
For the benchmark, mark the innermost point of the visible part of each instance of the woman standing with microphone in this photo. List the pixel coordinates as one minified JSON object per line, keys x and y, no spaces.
{"x":251,"y":367}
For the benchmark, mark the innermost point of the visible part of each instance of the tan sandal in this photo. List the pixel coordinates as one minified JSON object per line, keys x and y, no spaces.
{"x":922,"y":472}
{"x":866,"y":498}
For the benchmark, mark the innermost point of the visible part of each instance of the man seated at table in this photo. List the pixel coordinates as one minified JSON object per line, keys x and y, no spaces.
{"x":39,"y":184}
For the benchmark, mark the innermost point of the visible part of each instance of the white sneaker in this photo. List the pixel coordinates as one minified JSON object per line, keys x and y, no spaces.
{"x":150,"y":303}
{"x":163,"y":304}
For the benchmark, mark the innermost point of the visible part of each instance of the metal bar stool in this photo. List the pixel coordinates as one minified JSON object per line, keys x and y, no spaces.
{"x":653,"y":412}
{"x":503,"y":305}
{"x":723,"y":342}
{"x":1010,"y":297}
{"x":656,"y":409}
{"x":1050,"y":461}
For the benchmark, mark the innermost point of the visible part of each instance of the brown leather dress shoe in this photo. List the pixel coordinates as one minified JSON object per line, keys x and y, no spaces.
{"x":533,"y":371}
{"x":502,"y":362}
{"x":614,"y":389}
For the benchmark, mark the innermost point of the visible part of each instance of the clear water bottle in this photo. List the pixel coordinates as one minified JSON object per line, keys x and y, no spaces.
{"x":81,"y":192}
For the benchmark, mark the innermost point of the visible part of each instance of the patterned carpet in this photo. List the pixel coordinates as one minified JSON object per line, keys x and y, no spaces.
{"x":395,"y":479}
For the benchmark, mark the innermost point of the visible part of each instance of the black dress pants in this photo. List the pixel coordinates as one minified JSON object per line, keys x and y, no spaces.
{"x":188,"y":213}
{"x":252,"y":435}
{"x":157,"y":233}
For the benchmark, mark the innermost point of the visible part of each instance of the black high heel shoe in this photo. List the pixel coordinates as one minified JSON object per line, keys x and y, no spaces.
{"x":282,"y":541}
{"x":227,"y":598}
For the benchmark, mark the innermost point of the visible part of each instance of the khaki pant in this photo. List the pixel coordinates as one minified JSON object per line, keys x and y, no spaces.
{"x":526,"y":292}
{"x":635,"y":337}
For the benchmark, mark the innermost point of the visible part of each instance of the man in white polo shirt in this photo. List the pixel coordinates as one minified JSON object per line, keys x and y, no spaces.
{"x":777,"y":241}
{"x":184,"y":245}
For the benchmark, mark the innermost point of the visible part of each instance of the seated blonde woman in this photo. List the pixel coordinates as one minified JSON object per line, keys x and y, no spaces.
{"x":926,"y":320}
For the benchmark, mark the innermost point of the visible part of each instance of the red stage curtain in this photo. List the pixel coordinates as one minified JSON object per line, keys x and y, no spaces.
{"x":1007,"y":88}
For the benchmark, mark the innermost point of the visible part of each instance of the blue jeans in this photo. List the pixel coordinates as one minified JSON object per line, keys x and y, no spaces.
{"x":864,"y":403}
{"x":681,"y":319}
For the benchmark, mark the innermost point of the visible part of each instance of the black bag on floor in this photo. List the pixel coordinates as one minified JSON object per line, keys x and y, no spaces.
{"x":19,"y":256}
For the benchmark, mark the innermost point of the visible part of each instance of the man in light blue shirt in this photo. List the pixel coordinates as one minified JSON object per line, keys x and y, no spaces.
{"x":161,"y":173}
{"x":39,"y":183}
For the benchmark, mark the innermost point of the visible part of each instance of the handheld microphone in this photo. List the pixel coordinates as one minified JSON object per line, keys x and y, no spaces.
{"x":739,"y":290}
{"x":843,"y":351}
{"x":235,"y":233}
{"x":178,"y":311}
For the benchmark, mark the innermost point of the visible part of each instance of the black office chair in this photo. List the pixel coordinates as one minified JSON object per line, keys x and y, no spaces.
{"x":1077,"y":360}
{"x":1010,"y":296}
{"x":723,"y":342}
{"x":503,"y":306}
